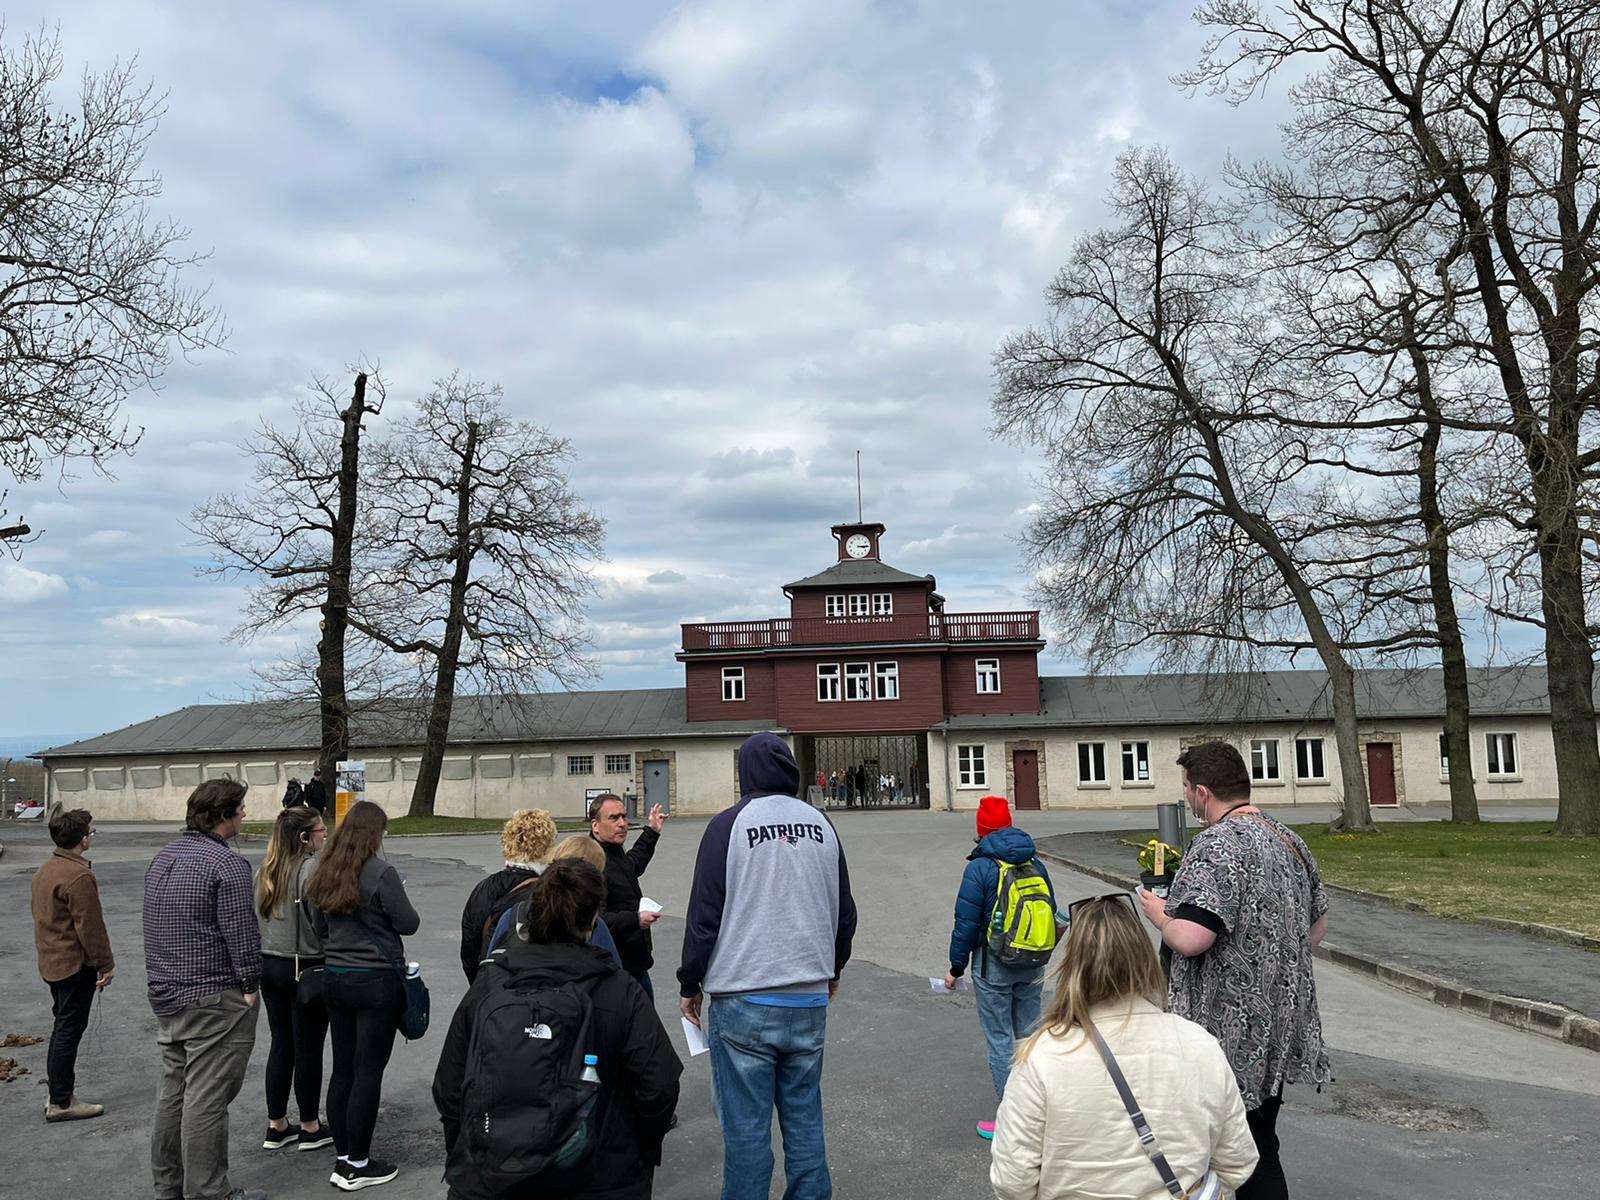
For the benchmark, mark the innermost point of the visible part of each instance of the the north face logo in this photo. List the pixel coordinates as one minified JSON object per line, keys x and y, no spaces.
{"x":538,"y":1031}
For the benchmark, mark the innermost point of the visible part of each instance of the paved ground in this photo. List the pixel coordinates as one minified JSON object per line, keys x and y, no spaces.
{"x":1427,"y":1103}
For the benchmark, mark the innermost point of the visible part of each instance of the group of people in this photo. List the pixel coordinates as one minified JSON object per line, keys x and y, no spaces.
{"x":857,"y":786}
{"x":556,"y":1076}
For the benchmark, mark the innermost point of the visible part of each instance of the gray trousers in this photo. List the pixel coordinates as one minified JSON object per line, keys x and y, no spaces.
{"x":204,"y":1051}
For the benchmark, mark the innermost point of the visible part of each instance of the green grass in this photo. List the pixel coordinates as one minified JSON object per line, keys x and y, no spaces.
{"x":423,"y":826}
{"x":1515,"y":870}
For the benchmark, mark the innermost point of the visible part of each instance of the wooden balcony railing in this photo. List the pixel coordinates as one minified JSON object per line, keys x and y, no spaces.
{"x":828,"y":631}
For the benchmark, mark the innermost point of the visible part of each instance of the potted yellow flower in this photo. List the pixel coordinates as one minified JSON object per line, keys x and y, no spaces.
{"x":1158,"y":862}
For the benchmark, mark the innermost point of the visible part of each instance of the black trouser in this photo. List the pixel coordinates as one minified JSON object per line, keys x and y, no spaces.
{"x":298,"y":1031}
{"x":71,"y":999}
{"x":1268,"y":1182}
{"x":364,"y":1008}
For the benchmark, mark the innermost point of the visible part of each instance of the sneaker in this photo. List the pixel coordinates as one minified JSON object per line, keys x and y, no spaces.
{"x":353,"y":1179}
{"x":277,"y":1139}
{"x":317,"y":1140}
{"x":986,"y":1130}
{"x":73,"y":1110}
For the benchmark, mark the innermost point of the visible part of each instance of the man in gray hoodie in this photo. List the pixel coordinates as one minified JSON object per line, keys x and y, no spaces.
{"x":770,"y":923}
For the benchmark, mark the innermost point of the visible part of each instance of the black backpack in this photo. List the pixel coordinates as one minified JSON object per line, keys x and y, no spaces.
{"x":527,"y":1117}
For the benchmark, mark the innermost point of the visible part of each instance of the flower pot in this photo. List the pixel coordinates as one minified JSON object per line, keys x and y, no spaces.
{"x":1156,"y":883}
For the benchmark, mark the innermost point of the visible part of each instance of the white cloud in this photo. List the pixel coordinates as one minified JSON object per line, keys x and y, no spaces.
{"x":23,"y":585}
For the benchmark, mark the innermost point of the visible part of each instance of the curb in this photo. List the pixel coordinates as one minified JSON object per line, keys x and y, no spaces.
{"x":1548,"y":933}
{"x":1532,"y":1016}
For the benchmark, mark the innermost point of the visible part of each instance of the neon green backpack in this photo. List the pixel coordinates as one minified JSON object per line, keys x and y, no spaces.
{"x":1022,"y":928}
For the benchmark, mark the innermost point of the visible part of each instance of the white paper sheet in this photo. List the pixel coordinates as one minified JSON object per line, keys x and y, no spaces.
{"x":648,"y":905}
{"x":695,"y":1037}
{"x":937,"y":987}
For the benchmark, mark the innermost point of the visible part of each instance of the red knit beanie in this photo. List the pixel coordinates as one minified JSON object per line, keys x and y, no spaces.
{"x":993,"y":813}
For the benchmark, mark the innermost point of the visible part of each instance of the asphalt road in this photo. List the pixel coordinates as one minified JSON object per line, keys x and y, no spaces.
{"x":1427,"y":1103}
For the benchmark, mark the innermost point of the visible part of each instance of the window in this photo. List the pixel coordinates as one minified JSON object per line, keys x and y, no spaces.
{"x":619,"y":764}
{"x":580,"y":764}
{"x":1264,"y":761}
{"x":834,"y":606}
{"x":973,"y":770}
{"x":827,"y":681}
{"x":858,"y":681}
{"x":1135,"y":762}
{"x":733,"y":683}
{"x":1502,"y":749}
{"x":882,"y":604}
{"x":1308,"y":760}
{"x":888,"y":680}
{"x":1444,"y":758}
{"x":1091,"y":762}
{"x":859,"y":602}
{"x":988,"y":676}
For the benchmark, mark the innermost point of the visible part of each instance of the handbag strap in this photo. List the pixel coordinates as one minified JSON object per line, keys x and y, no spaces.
{"x":1147,"y":1136}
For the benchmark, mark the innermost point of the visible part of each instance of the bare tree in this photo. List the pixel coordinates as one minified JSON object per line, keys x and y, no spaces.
{"x":1488,"y":113}
{"x":1178,"y":517}
{"x":479,"y":558}
{"x":296,"y":533}
{"x":92,"y":299}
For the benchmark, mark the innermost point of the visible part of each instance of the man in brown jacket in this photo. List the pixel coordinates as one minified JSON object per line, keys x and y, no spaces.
{"x":74,"y":953}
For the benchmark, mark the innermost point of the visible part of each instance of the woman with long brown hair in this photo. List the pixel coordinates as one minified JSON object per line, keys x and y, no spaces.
{"x":290,"y":947}
{"x":363,"y":912}
{"x":1064,"y":1130}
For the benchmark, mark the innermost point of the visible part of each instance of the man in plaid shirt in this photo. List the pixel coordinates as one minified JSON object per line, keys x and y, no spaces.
{"x":202,"y":953}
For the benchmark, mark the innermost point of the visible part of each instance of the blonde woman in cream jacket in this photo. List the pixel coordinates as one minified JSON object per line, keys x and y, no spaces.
{"x":1063,"y":1133}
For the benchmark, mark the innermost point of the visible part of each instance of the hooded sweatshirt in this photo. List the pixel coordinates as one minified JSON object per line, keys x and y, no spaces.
{"x":771,"y":910}
{"x":980,"y":886}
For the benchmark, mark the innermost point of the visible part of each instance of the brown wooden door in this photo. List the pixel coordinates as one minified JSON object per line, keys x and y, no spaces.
{"x":1025,"y":779}
{"x":1380,"y":774}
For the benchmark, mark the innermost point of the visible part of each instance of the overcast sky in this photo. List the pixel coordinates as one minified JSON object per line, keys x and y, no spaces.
{"x":719,"y":246}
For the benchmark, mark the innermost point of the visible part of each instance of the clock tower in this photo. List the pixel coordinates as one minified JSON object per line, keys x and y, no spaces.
{"x":859,"y":540}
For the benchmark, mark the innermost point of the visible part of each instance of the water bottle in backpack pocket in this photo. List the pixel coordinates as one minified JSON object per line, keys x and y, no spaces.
{"x":1022,"y":927}
{"x":531,"y":1089}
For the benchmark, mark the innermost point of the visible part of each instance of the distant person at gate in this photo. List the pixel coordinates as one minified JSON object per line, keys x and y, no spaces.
{"x":1006,"y":927}
{"x":1242,"y":916}
{"x":630,"y":927}
{"x":770,"y":924}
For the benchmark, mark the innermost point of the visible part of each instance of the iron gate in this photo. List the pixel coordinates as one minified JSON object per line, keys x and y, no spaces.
{"x":867,"y":771}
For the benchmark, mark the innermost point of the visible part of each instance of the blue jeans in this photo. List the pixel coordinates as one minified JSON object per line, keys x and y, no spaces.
{"x":761,"y":1057}
{"x":1008,"y":1010}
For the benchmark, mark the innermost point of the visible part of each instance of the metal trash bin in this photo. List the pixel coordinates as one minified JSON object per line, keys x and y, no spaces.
{"x":630,"y":803}
{"x":1169,"y":824}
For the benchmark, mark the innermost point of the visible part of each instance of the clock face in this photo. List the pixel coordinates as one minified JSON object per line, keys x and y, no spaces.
{"x":858,"y":545}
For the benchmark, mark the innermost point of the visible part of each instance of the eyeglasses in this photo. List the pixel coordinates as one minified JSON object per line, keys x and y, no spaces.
{"x":1124,"y":897}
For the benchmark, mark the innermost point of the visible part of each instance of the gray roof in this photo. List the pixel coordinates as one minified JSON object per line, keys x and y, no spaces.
{"x":858,"y":572}
{"x":293,"y":725}
{"x":1259,"y":697}
{"x":1069,"y":701}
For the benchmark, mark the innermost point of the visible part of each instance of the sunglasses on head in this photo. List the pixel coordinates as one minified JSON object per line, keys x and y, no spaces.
{"x":1124,"y":897}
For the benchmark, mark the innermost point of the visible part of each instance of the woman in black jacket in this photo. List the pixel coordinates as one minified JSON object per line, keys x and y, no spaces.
{"x":525,"y":842}
{"x":638,"y":1068}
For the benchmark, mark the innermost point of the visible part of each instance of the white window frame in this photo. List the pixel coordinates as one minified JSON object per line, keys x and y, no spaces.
{"x":1092,"y":765}
{"x":858,"y":681}
{"x":732,"y":684}
{"x":1495,"y":746}
{"x":860,"y":604}
{"x":883,"y":604}
{"x":625,"y":769}
{"x":886,"y":683}
{"x":833,"y":604}
{"x":576,"y":764}
{"x":1308,"y":776}
{"x":972,"y":766}
{"x":1136,"y":763}
{"x":1259,"y":763}
{"x":988,"y":676}
{"x":828,"y":687}
{"x":1444,"y":759}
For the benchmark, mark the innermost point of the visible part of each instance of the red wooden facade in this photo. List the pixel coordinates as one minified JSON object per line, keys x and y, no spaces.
{"x":858,"y":613}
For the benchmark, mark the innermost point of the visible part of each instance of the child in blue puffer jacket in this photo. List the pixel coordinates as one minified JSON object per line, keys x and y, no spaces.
{"x":1008,"y":996}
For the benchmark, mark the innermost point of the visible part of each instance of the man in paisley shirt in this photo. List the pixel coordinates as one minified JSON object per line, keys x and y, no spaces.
{"x":1242,"y":917}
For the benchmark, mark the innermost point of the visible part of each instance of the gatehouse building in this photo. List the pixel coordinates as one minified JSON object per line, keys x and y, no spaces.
{"x":890,"y":701}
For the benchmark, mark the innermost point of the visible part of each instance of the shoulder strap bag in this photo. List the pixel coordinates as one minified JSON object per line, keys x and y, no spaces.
{"x":412,"y":1021}
{"x":1209,"y":1187}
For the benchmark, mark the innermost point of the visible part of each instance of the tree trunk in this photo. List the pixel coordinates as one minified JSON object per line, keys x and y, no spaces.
{"x":333,"y":704}
{"x":1452,"y":651}
{"x":1569,"y":668}
{"x":1357,"y":814}
{"x":444,"y":686}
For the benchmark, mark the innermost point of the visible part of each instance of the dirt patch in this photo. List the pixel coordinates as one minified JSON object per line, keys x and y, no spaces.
{"x":19,"y":1039}
{"x":1410,"y":1112}
{"x":9,"y":1070}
